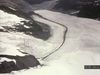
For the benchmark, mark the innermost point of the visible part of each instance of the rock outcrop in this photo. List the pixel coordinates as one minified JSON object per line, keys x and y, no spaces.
{"x":10,"y":63}
{"x":18,"y":5}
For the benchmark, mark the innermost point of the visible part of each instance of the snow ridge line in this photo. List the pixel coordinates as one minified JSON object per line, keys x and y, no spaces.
{"x":64,"y":37}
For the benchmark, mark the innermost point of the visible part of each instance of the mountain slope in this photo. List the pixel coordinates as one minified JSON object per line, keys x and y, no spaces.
{"x":68,"y":52}
{"x":18,"y":5}
{"x":81,"y":46}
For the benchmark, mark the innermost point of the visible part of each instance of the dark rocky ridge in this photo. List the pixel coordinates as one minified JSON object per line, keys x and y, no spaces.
{"x":91,"y":9}
{"x":85,"y":8}
{"x":22,"y":62}
{"x":67,"y":4}
{"x":18,"y":5}
{"x":35,"y":1}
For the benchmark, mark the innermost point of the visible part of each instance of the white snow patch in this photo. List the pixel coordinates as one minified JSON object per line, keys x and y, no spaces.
{"x":2,"y":59}
{"x":7,"y":19}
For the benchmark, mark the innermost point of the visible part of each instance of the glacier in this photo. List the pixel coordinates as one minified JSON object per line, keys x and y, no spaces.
{"x":80,"y":48}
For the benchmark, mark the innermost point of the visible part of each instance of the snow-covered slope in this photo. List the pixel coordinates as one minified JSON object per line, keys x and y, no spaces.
{"x":12,"y":41}
{"x":81,"y":46}
{"x":83,"y":34}
{"x":6,"y":45}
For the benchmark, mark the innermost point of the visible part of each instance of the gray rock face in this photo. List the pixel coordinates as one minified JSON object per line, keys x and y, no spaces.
{"x":17,"y":5}
{"x":17,"y":63}
{"x":35,"y":1}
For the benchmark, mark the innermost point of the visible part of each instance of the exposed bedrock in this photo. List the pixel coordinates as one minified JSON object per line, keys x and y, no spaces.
{"x":10,"y":63}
